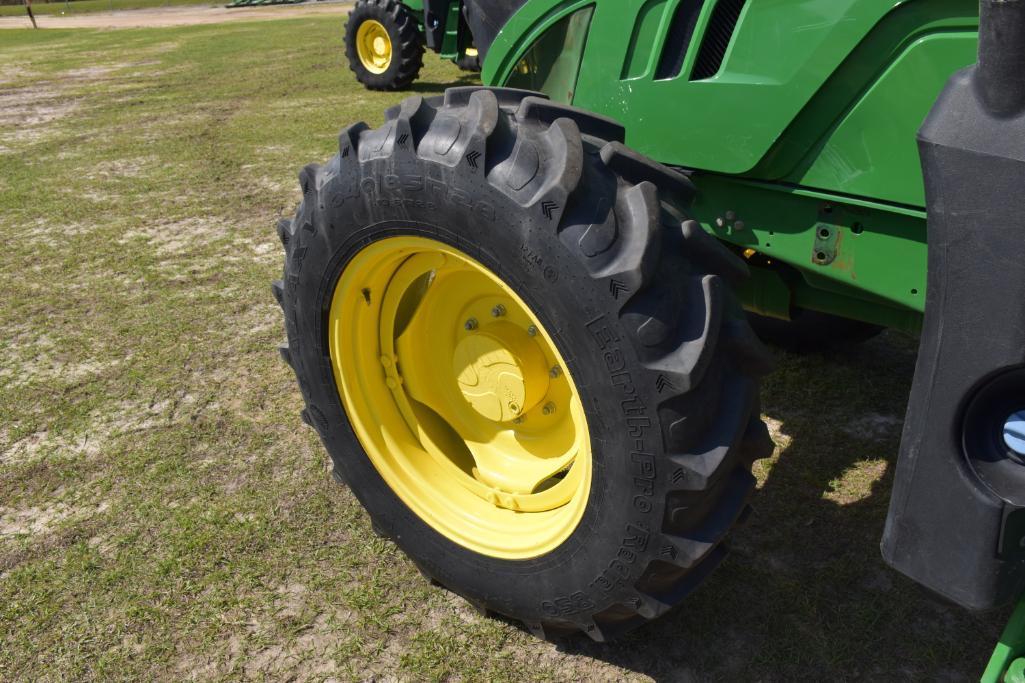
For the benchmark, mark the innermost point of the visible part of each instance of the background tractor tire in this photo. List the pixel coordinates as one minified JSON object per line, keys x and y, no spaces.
{"x":637,"y":298}
{"x":384,"y":45}
{"x":808,"y":331}
{"x":469,"y":61}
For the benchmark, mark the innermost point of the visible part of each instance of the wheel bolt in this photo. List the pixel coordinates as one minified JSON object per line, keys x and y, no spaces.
{"x":498,"y":311}
{"x":471,"y":324}
{"x":549,"y":408}
{"x":532,"y":331}
{"x":555,"y":372}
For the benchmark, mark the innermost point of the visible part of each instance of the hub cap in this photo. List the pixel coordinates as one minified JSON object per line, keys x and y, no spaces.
{"x":460,"y":398}
{"x":373,"y":45}
{"x":1014,"y":432}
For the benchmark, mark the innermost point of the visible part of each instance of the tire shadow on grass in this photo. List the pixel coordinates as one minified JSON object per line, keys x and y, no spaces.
{"x":805,"y":594}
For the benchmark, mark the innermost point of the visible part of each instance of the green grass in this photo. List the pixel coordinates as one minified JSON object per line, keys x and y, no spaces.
{"x":89,"y":6}
{"x":164,"y":514}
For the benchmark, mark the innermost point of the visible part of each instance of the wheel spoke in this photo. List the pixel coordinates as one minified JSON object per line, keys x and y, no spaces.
{"x":501,"y":463}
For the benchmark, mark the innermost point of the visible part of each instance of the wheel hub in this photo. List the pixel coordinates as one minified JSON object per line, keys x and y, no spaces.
{"x":501,"y":371}
{"x":373,"y":45}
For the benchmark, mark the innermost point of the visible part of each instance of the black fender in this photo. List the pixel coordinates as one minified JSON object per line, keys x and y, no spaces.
{"x":956,"y":522}
{"x":435,"y":19}
{"x":486,"y":19}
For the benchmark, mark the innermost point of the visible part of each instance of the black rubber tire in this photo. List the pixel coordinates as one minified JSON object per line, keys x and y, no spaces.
{"x":469,"y":63}
{"x":808,"y":331}
{"x":637,"y":299}
{"x":406,"y":39}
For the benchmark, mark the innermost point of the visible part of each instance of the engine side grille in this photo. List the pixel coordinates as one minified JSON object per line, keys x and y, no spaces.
{"x":717,"y":38}
{"x":670,"y":64}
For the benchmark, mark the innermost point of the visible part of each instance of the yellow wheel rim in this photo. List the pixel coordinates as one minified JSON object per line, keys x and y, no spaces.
{"x":373,"y":45}
{"x":460,"y":398}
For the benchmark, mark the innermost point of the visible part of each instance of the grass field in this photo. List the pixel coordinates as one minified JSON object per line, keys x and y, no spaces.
{"x":164,"y":514}
{"x":88,"y":6}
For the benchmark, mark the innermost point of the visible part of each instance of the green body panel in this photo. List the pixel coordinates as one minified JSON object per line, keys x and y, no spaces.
{"x":872,"y":138}
{"x":833,"y":246}
{"x":807,"y":129}
{"x":450,"y":48}
{"x":1007,"y":664}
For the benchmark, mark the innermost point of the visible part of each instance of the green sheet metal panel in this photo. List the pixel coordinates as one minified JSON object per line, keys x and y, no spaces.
{"x":779,"y":59}
{"x":816,"y":105}
{"x":871,"y":153}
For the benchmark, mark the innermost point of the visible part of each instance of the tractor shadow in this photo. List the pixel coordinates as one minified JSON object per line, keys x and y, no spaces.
{"x":805,"y":594}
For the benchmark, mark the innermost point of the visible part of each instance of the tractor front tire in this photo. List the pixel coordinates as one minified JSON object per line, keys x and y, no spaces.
{"x":384,"y":45}
{"x":492,"y":278}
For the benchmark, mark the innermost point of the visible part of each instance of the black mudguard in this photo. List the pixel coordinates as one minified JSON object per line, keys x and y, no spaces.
{"x":957,"y":515}
{"x":435,"y":18}
{"x":486,"y":18}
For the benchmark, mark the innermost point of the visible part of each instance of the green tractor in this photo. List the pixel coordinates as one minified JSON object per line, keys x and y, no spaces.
{"x":521,"y":315}
{"x":385,"y":40}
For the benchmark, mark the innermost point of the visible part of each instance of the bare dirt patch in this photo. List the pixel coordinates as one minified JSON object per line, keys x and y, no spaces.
{"x":36,"y":357}
{"x":176,"y":16}
{"x":115,"y":420}
{"x":26,"y":112}
{"x":12,"y":73}
{"x":89,"y":73}
{"x":121,"y":168}
{"x":29,"y":113}
{"x":33,"y":521}
{"x":53,"y":234}
{"x":252,"y":654}
{"x":173,"y":238}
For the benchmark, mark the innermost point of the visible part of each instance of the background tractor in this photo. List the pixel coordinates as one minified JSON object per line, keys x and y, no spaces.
{"x":515,"y":312}
{"x":385,"y":40}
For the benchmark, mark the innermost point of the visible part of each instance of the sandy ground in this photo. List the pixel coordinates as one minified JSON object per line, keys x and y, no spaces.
{"x":176,"y":16}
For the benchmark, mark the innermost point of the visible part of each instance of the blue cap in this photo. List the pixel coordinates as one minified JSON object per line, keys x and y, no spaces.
{"x":1014,"y":432}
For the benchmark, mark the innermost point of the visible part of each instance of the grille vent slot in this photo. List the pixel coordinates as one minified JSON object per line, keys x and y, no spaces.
{"x":681,"y":30}
{"x":717,"y":38}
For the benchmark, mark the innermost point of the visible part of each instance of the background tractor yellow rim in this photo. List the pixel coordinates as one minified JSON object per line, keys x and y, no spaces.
{"x":373,"y":45}
{"x":460,"y":398}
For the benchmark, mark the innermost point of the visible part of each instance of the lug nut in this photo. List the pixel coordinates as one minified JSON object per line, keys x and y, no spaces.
{"x":471,"y":324}
{"x":498,"y":311}
{"x":532,"y":331}
{"x":555,"y":372}
{"x":549,"y":408}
